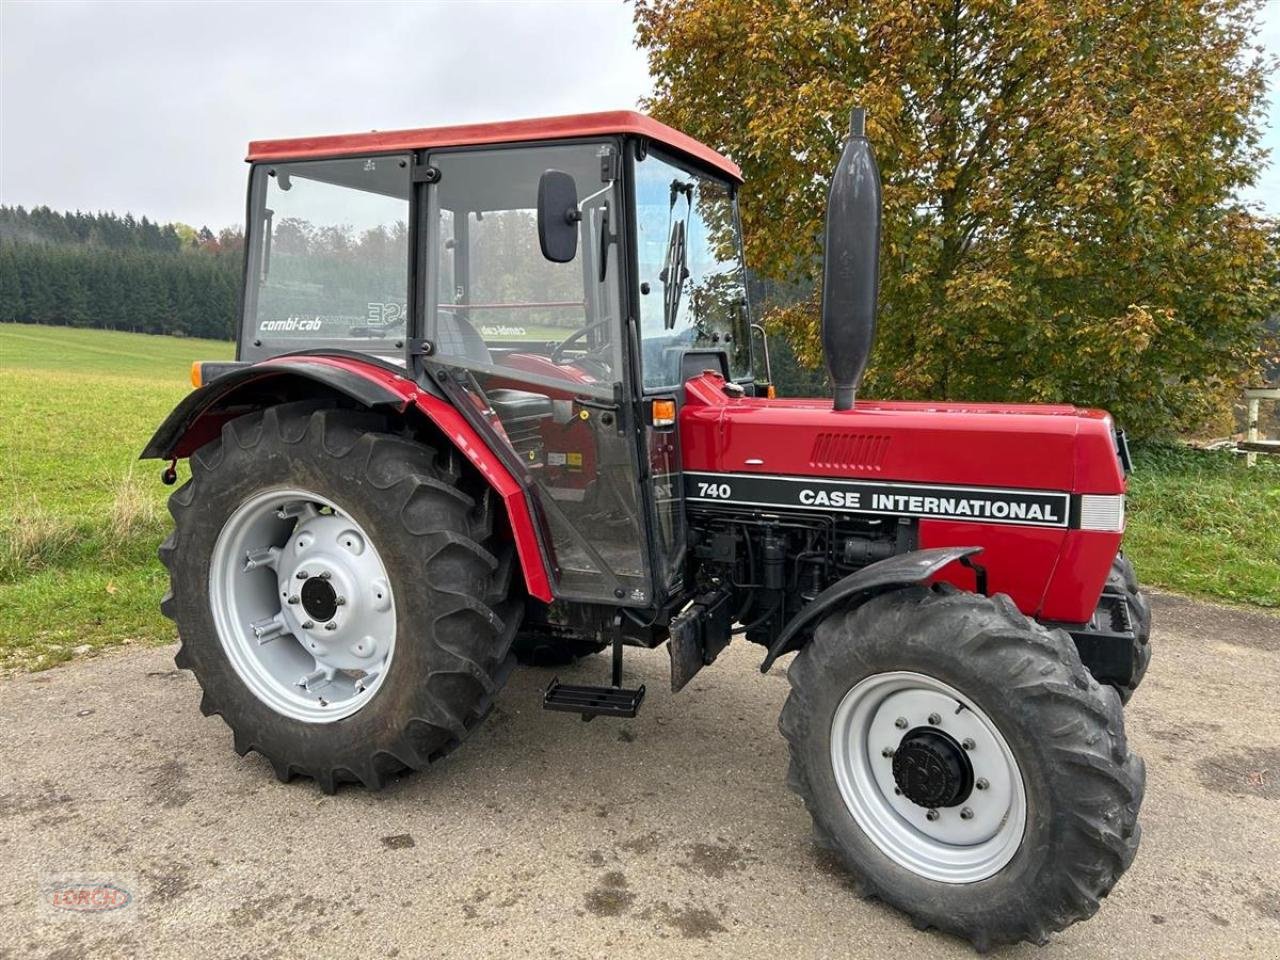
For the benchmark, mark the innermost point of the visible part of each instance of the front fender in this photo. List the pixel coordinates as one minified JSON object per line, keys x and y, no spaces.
{"x":200,"y":416}
{"x":902,"y":570}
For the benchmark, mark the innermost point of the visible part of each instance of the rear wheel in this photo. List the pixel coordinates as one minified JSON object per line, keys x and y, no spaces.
{"x":963,"y":764}
{"x":339,"y":597}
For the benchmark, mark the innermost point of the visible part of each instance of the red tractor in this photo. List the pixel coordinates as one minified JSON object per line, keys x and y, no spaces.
{"x":497,"y":399}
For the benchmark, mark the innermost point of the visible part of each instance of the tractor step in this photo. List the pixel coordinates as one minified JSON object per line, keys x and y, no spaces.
{"x":592,"y":701}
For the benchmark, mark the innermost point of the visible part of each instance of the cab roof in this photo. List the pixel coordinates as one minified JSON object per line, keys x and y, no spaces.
{"x":579,"y":125}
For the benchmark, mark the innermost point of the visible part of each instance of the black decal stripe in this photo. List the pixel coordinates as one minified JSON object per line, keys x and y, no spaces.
{"x":820,"y":495}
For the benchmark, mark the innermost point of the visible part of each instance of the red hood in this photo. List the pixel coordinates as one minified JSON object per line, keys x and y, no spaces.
{"x":1049,"y":447}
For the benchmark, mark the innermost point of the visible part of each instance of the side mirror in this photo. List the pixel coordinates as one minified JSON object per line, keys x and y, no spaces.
{"x":558,"y":216}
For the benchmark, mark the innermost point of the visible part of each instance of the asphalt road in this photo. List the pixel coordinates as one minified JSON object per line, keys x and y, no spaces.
{"x":669,"y":835}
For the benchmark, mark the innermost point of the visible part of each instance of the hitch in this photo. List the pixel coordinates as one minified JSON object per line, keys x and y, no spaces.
{"x":611,"y":701}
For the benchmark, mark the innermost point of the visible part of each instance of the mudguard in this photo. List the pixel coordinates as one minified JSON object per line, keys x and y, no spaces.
{"x":378,"y":386}
{"x":902,"y":570}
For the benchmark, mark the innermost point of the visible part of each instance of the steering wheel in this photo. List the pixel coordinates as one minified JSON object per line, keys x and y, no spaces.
{"x":557,"y":354}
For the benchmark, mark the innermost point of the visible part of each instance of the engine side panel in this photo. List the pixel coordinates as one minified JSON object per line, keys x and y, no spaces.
{"x":975,"y":467}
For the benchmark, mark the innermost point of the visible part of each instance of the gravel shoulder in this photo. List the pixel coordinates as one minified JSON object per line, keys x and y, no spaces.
{"x":669,"y":835}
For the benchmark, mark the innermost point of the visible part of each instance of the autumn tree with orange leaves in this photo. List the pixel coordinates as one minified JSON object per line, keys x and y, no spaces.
{"x":1060,"y":184}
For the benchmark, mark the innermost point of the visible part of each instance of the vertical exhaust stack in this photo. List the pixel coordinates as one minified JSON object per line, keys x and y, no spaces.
{"x":851,"y":268}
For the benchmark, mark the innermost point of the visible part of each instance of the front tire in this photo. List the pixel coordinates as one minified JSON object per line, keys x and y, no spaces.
{"x":962,"y":763}
{"x":1124,"y":578}
{"x":396,"y":652}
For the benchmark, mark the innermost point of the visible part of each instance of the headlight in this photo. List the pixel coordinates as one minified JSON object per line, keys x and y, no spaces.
{"x":1102,"y":512}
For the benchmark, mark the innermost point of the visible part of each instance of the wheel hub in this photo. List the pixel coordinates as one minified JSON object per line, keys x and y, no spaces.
{"x":931,"y":769}
{"x":319,"y":599}
{"x":339,"y":599}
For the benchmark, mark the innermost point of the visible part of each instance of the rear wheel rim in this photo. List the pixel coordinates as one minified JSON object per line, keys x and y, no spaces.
{"x":302,"y":605}
{"x":981,"y":826}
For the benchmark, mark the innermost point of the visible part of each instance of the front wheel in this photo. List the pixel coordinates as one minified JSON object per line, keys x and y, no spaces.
{"x":1125,"y":579}
{"x":963,"y":764}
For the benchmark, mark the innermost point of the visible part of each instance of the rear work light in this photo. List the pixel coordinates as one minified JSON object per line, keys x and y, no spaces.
{"x":1102,"y":512}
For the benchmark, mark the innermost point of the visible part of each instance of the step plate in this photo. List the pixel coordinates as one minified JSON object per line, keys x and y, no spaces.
{"x":592,"y":701}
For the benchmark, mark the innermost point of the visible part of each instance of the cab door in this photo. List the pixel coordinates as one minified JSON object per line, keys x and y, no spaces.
{"x":535,"y":351}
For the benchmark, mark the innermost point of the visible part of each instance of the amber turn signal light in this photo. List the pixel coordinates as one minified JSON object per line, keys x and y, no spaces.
{"x":664,"y":413}
{"x":197,"y":374}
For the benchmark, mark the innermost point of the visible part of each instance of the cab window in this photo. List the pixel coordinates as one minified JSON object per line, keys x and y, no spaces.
{"x":692,"y":281}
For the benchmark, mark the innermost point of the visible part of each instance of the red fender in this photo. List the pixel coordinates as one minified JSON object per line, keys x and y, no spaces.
{"x":200,"y":415}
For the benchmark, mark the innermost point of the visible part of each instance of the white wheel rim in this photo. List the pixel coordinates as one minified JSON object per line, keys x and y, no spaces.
{"x":964,"y":843}
{"x":302,"y":605}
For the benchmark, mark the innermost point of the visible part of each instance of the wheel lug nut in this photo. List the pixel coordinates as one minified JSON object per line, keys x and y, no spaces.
{"x":340,"y":601}
{"x":331,"y":625}
{"x":324,"y":574}
{"x":968,"y":743}
{"x":982,"y":783}
{"x":294,"y":598}
{"x":302,"y":574}
{"x":887,"y":752}
{"x":901,"y":723}
{"x":307,"y":624}
{"x":934,"y":719}
{"x":966,"y":814}
{"x":931,"y":815}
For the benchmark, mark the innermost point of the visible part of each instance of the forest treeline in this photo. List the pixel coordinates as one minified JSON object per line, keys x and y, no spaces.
{"x":116,"y":272}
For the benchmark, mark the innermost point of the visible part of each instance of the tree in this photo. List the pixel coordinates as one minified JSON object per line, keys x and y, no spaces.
{"x":1059,"y":183}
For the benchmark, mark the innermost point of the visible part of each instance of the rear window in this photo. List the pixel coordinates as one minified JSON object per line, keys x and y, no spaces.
{"x":329,"y":254}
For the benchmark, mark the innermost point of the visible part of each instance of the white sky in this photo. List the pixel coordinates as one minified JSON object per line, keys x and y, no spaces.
{"x":148,"y":107}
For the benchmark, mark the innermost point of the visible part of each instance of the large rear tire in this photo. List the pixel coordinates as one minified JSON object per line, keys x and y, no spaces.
{"x":371,"y":628}
{"x":963,"y":764}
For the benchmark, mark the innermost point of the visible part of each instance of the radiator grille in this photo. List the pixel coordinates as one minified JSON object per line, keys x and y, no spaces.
{"x":849,"y":451}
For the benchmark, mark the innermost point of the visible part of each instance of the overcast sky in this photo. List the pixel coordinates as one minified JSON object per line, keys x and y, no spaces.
{"x":149,"y":107}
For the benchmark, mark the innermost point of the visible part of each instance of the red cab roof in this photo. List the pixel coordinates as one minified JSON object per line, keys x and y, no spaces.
{"x":509,"y":131}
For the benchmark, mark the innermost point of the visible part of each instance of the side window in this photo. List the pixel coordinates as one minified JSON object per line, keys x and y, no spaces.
{"x":689,"y":259}
{"x":498,"y":302}
{"x":330,"y":254}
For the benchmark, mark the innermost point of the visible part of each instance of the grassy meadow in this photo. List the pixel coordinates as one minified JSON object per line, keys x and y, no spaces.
{"x":81,"y":516}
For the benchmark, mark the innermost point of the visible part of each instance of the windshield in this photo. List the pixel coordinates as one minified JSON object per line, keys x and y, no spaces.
{"x":692,"y":282}
{"x":329,"y":254}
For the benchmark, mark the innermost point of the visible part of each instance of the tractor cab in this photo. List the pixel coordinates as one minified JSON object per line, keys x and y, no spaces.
{"x":553,"y":278}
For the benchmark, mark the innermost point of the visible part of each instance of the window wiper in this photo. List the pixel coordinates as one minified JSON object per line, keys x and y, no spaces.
{"x":675,"y":268}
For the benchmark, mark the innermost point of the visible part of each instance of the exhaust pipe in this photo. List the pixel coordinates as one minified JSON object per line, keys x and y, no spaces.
{"x":851,"y":263}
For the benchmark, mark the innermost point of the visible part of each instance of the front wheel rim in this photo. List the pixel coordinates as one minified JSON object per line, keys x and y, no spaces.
{"x":979,"y":825}
{"x":302,"y":605}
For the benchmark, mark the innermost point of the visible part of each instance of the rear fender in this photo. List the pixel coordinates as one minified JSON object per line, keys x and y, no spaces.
{"x":902,"y":570}
{"x":200,"y":416}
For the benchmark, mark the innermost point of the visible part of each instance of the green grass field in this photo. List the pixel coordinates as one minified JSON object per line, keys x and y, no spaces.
{"x":80,"y":516}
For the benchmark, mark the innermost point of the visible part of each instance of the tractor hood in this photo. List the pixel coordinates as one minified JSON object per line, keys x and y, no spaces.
{"x":1012,"y":446}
